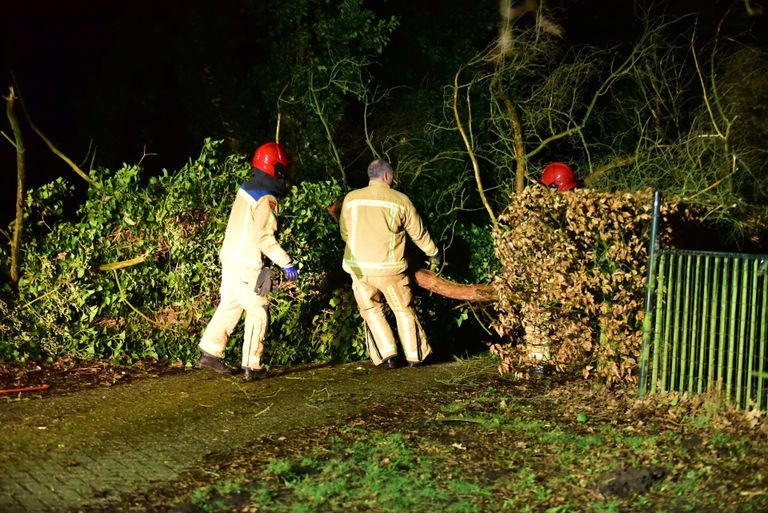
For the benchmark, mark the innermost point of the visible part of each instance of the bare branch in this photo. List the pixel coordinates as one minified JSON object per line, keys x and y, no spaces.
{"x":50,"y":145}
{"x":470,"y":150}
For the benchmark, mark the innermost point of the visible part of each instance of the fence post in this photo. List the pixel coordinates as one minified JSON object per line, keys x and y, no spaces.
{"x":649,"y":289}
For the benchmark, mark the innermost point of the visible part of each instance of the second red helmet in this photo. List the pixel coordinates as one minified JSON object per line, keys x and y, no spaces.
{"x":560,"y":175}
{"x":272,"y":159}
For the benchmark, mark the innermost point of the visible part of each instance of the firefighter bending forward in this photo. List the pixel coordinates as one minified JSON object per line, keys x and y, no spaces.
{"x":250,"y":235}
{"x":374,"y":223}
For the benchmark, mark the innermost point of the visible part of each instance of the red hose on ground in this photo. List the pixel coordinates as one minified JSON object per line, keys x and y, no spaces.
{"x":24,"y":389}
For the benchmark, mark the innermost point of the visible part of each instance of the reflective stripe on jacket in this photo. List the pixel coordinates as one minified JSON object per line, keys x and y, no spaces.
{"x":251,"y":233}
{"x":374,"y":223}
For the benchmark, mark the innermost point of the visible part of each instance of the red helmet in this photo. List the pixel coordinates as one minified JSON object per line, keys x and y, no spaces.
{"x":271,"y":158}
{"x":558,"y":175}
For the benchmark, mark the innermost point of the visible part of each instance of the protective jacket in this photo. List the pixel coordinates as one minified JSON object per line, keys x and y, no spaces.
{"x":250,"y":235}
{"x":374,"y":223}
{"x":250,"y":231}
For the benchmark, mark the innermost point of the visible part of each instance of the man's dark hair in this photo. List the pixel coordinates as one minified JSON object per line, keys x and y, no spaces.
{"x":378,"y":167}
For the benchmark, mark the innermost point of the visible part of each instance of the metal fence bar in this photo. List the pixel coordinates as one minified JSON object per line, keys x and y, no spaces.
{"x":732,"y":327}
{"x":703,"y":326}
{"x":684,"y":331}
{"x":671,"y":289}
{"x":762,"y":377}
{"x":713,"y":326}
{"x":649,"y":289}
{"x":742,"y":332}
{"x":723,"y":326}
{"x":753,"y":328}
{"x":661,"y":294}
{"x":695,"y":343}
{"x":676,"y":325}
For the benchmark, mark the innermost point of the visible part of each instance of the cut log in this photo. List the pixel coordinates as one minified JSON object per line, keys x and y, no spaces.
{"x":434,"y":283}
{"x":446,"y":288}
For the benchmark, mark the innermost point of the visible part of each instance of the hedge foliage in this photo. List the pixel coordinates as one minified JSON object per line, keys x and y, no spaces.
{"x":134,"y":273}
{"x":573,"y":281}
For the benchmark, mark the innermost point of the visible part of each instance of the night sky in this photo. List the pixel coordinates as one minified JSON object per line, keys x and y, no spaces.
{"x":94,"y":73}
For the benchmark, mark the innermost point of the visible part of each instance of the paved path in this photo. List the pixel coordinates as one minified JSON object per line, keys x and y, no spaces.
{"x":63,"y":452}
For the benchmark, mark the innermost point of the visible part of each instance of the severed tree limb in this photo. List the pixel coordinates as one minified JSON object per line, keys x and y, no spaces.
{"x":328,"y":135}
{"x":476,"y":293}
{"x":432,"y":282}
{"x":123,"y":263}
{"x":124,"y":299}
{"x":20,"y":185}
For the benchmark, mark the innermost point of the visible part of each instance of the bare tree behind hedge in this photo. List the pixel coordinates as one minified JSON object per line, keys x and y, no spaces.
{"x":668,"y":112}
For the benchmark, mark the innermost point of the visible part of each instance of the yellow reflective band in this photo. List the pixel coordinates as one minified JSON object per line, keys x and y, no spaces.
{"x":374,"y":265}
{"x":373,"y":203}
{"x":396,"y":304}
{"x":352,"y":233}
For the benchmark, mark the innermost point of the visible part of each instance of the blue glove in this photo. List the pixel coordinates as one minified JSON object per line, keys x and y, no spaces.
{"x":290,"y":272}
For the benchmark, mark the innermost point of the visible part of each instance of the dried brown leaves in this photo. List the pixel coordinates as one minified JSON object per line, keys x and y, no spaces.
{"x":571,"y":292}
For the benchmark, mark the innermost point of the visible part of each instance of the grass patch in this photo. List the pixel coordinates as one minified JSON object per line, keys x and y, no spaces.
{"x":502,"y":445}
{"x":367,"y":471}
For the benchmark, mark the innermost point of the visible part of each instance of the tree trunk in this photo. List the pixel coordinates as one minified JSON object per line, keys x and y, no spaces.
{"x":517,"y":137}
{"x":20,"y":183}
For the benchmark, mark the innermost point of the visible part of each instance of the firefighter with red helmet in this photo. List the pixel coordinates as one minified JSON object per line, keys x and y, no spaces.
{"x":558,"y":175}
{"x":245,"y":282}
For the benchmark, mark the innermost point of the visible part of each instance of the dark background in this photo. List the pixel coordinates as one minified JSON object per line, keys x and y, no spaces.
{"x":129,"y":78}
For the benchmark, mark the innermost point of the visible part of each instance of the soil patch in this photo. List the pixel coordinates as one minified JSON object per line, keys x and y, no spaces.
{"x":65,"y":376}
{"x":626,"y":481}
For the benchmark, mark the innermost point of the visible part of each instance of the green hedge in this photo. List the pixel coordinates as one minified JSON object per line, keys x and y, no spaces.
{"x":79,"y":295}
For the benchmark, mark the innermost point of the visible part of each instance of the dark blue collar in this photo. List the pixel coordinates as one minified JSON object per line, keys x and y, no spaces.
{"x":261,"y":184}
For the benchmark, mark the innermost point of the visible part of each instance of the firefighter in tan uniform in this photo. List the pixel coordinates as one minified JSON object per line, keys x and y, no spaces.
{"x":250,"y":236}
{"x":374,"y":223}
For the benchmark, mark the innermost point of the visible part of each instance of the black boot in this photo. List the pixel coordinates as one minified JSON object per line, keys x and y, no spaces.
{"x":419,"y":364}
{"x":210,"y":362}
{"x":389,"y":363}
{"x":253,"y":374}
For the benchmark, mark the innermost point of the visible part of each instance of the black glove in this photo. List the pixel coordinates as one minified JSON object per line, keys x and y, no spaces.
{"x":437,"y":259}
{"x":264,"y":282}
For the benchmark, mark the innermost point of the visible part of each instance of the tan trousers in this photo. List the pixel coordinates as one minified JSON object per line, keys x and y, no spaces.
{"x":238,"y":294}
{"x":379,"y":338}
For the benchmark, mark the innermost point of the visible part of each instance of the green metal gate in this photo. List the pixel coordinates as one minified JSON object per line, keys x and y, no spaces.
{"x":706,"y":323}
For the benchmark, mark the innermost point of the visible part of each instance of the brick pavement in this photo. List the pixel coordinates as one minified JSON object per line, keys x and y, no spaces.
{"x":63,"y":452}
